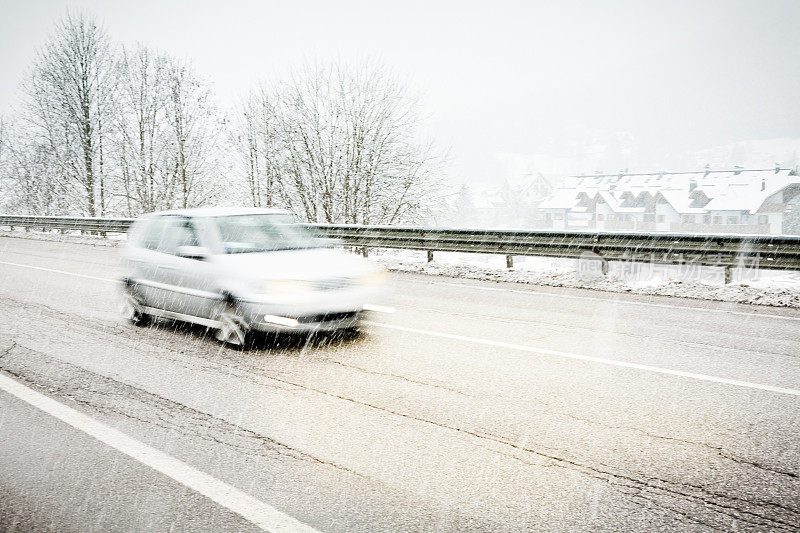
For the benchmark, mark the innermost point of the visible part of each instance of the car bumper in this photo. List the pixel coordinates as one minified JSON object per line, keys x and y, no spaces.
{"x":309,"y":323}
{"x":325,"y":313}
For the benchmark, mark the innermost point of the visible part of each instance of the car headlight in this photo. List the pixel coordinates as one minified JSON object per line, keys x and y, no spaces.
{"x":285,"y":288}
{"x":375,"y":278}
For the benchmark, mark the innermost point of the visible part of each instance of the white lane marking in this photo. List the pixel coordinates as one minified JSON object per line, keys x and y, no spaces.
{"x":59,"y":271}
{"x":379,"y":308}
{"x":259,"y":513}
{"x":608,"y":300}
{"x":579,"y":357}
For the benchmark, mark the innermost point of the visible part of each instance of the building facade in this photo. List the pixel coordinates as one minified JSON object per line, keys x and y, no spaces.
{"x":727,"y":201}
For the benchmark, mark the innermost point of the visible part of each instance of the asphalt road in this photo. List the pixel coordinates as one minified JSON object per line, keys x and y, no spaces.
{"x":476,"y":406}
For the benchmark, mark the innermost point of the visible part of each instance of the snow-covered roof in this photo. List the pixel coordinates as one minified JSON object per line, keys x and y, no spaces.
{"x":735,"y":199}
{"x":680,"y":201}
{"x":750,"y":195}
{"x":608,"y":198}
{"x":740,"y":190}
{"x":561,"y":199}
{"x":615,"y":203}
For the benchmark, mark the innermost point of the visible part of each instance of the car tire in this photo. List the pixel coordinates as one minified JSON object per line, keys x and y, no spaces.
{"x":133,"y":308}
{"x":353,"y":332}
{"x":234,"y":329}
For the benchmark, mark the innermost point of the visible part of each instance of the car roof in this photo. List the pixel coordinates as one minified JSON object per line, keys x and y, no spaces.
{"x":220,"y":211}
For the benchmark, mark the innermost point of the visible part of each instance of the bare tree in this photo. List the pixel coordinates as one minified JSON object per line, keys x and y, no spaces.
{"x":137,"y":131}
{"x":29,"y":174}
{"x":166,"y":133}
{"x":141,"y":132}
{"x":257,"y":146}
{"x":5,"y":183}
{"x":69,"y":98}
{"x":337,"y":144}
{"x":3,"y":137}
{"x":3,"y":148}
{"x":462,"y":211}
{"x":129,"y":132}
{"x":194,"y":133}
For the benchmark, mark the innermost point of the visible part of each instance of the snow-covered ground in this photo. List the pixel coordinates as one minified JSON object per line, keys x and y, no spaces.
{"x":751,"y":286}
{"x":113,"y":239}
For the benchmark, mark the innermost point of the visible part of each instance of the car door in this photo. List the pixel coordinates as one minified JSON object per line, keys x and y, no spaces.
{"x":146,"y":260}
{"x":191,"y":280}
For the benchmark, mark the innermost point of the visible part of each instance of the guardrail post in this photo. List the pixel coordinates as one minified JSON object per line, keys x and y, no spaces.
{"x":509,"y":261}
{"x":430,"y":256}
{"x":728,"y":274}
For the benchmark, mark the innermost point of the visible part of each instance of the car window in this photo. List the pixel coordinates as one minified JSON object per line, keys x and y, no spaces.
{"x":138,"y":231}
{"x":152,"y":233}
{"x":178,"y":231}
{"x":263,"y":233}
{"x":166,"y":234}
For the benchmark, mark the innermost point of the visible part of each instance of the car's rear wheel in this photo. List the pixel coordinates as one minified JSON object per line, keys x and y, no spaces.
{"x":133,"y":308}
{"x":233,"y":329}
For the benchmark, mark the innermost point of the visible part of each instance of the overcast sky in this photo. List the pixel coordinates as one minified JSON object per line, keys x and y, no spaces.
{"x":495,"y":77}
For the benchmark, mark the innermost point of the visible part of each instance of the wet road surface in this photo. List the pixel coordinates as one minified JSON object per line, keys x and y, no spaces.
{"x":476,"y":406}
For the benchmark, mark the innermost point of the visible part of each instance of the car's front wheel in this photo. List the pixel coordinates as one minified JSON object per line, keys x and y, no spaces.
{"x":233,"y":329}
{"x":133,"y":307}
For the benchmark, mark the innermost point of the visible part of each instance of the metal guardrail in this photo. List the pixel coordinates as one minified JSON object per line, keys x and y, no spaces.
{"x":84,"y":224}
{"x":767,"y":251}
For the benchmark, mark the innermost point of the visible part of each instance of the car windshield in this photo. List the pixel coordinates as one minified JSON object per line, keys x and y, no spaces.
{"x":263,"y":233}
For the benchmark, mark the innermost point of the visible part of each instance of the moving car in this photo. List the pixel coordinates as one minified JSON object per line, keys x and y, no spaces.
{"x":243,"y":270}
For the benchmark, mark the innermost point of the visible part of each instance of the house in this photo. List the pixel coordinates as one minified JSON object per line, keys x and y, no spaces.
{"x":555,"y":210}
{"x":755,"y":207}
{"x":726,"y":201}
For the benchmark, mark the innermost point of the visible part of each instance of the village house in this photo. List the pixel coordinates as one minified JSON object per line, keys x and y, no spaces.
{"x":725,"y":201}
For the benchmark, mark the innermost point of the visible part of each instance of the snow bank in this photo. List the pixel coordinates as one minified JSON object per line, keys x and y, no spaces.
{"x":69,"y":236}
{"x":750,"y":286}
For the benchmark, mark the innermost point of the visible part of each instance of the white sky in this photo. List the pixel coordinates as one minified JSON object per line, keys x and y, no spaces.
{"x":496,"y":77}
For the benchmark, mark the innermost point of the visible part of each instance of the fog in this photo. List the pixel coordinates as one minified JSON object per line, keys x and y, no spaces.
{"x":644,"y":83}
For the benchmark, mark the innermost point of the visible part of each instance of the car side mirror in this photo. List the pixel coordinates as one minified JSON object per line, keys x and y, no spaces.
{"x":199,"y":253}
